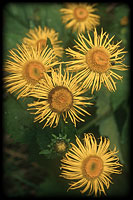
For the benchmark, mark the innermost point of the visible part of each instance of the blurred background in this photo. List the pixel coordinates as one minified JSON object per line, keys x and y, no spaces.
{"x":25,"y":171}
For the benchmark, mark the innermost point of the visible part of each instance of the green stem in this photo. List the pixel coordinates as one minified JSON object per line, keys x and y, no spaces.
{"x":61,"y":124}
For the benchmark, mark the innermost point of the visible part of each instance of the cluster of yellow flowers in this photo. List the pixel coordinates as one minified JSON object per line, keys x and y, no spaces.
{"x":36,"y":70}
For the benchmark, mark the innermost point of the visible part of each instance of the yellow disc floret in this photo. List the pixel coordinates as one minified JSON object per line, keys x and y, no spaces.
{"x":81,"y":13}
{"x":60,"y":99}
{"x":92,"y":167}
{"x":98,"y":59}
{"x":33,"y":71}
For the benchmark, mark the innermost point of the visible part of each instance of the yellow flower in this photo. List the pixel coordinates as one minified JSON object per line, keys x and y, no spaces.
{"x":96,"y":61}
{"x":40,"y":38}
{"x":26,"y":69}
{"x":90,"y":165}
{"x":59,"y":96}
{"x":80,"y":16}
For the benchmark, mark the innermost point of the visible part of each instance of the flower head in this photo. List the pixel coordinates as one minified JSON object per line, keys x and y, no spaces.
{"x":96,"y":61}
{"x":80,"y":16}
{"x":59,"y":144}
{"x":39,"y":38}
{"x":124,"y":21}
{"x":27,"y":68}
{"x":59,"y":95}
{"x":90,"y":165}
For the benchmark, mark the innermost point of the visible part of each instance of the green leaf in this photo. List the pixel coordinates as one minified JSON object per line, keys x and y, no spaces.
{"x":43,"y":136}
{"x":102,"y":101}
{"x":125,"y":137}
{"x":13,"y":30}
{"x":49,"y":187}
{"x":17,"y":13}
{"x":122,"y":92}
{"x":54,"y":186}
{"x":125,"y":130}
{"x":107,"y":125}
{"x":45,"y":152}
{"x":17,"y":122}
{"x":108,"y":128}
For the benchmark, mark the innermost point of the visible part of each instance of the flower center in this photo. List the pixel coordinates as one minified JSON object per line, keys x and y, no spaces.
{"x":33,"y":71}
{"x":80,"y":13}
{"x":60,"y":99}
{"x":41,"y":44}
{"x":98,"y":60}
{"x":93,"y":166}
{"x":60,"y":146}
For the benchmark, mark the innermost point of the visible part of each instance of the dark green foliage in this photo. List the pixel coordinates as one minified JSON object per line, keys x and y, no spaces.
{"x":16,"y":120}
